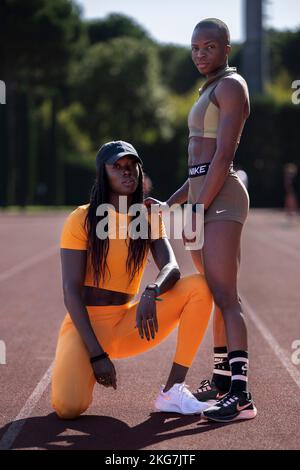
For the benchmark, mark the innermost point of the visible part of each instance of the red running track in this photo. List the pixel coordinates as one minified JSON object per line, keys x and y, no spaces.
{"x":32,"y":309}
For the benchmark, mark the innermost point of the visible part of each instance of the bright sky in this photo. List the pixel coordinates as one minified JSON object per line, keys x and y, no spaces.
{"x":174,"y":20}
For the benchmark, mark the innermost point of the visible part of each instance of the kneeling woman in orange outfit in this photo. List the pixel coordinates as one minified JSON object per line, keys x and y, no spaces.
{"x":100,"y":278}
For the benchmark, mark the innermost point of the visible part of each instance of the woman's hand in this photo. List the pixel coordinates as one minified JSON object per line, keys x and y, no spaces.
{"x":105,"y":373}
{"x":146,"y":319}
{"x":187,"y":236}
{"x":150,"y":200}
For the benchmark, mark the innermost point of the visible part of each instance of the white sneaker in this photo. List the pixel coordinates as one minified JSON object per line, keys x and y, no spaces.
{"x":179,"y":400}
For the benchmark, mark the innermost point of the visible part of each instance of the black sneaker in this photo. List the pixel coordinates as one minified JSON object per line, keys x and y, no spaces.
{"x":233,"y":407}
{"x":208,"y":391}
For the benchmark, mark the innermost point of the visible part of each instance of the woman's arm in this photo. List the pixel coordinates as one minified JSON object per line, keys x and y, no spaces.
{"x":73,"y":273}
{"x":180,"y":196}
{"x":165,"y":260}
{"x":231,"y":96}
{"x":146,"y":319}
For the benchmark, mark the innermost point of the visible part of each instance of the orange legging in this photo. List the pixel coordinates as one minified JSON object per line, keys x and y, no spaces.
{"x":188,"y":304}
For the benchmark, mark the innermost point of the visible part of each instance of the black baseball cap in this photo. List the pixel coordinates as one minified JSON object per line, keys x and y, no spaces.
{"x":112,"y":151}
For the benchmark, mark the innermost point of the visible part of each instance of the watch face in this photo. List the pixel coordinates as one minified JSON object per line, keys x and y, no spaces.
{"x":152,"y":286}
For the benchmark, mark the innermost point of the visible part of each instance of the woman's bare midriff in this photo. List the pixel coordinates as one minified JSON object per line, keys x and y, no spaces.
{"x":93,"y":296}
{"x":201,"y":150}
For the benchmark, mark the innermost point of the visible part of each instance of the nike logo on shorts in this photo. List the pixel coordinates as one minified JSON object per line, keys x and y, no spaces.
{"x":220,"y":212}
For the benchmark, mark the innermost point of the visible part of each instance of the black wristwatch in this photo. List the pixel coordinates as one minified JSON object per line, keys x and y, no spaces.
{"x":154,"y":287}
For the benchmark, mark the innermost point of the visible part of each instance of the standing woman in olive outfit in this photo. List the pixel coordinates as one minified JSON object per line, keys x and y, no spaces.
{"x":215,"y":125}
{"x":101,"y":275}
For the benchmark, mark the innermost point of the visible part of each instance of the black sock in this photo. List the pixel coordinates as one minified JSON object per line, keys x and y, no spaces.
{"x":238,"y":361}
{"x":222,"y":374}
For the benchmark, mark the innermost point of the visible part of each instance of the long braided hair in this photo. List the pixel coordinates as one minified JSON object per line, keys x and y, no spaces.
{"x":97,"y":248}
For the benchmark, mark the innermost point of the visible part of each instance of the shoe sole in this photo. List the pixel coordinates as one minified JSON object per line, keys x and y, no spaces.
{"x":173,"y":410}
{"x":246,"y":414}
{"x":212,"y":401}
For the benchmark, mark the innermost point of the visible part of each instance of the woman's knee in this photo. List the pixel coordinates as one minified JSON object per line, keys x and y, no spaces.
{"x":224,"y":298}
{"x":196,"y":285}
{"x":65,"y":410}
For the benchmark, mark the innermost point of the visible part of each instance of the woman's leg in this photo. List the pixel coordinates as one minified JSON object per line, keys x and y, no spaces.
{"x":219,"y":332}
{"x":221,"y":252}
{"x":188,"y":304}
{"x":72,"y":377}
{"x":218,"y":324}
{"x":222,"y":374}
{"x":221,"y":259}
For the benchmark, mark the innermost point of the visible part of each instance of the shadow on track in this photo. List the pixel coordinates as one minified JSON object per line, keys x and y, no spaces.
{"x":106,"y":433}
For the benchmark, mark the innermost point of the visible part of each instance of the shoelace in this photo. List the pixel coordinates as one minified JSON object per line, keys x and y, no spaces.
{"x":185,"y":391}
{"x":204,"y":386}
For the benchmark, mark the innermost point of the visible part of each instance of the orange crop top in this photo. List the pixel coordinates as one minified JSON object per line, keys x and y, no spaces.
{"x":74,"y":237}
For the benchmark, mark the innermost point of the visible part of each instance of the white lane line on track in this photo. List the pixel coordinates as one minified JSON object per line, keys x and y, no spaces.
{"x":16,"y":426}
{"x":272,"y":342}
{"x":28,"y":263}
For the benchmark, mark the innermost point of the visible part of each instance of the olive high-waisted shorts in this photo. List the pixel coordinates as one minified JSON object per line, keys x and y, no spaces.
{"x":231,"y":203}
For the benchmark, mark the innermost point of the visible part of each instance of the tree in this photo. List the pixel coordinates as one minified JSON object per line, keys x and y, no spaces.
{"x":113,"y":26}
{"x":178,"y":71}
{"x":37,"y":40}
{"x":290,"y":47}
{"x":284,"y":52}
{"x":117,"y":83}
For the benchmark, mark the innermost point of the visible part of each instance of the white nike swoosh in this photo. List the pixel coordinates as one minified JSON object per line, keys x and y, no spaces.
{"x":220,"y":212}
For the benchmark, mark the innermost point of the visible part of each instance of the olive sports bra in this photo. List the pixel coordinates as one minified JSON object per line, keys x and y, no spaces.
{"x":203,"y":118}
